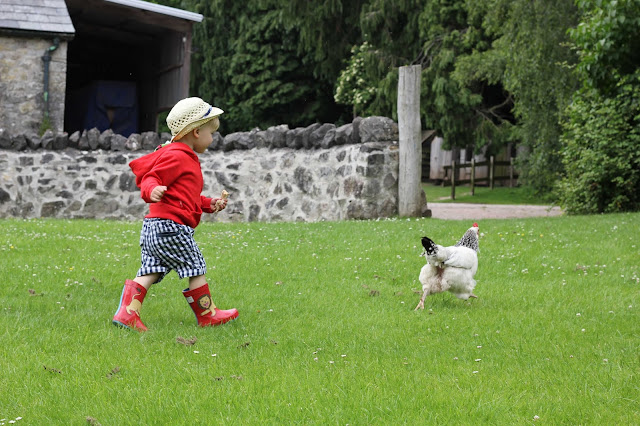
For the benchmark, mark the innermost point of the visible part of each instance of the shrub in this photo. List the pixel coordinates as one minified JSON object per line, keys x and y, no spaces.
{"x":602,"y":151}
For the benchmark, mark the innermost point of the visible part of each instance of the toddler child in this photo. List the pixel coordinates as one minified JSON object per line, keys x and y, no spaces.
{"x":170,"y":180}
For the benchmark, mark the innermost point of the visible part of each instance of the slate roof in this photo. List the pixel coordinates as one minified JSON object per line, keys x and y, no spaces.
{"x":49,"y":16}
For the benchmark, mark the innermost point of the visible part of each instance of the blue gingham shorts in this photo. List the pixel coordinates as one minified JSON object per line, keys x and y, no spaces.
{"x":166,"y":246}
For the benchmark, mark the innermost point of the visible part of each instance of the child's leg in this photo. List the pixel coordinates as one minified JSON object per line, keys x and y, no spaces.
{"x":147,"y":280}
{"x":199,"y":298}
{"x":197,"y":282}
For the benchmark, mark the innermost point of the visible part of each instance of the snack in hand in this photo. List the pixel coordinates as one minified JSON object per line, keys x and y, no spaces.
{"x":220,"y":202}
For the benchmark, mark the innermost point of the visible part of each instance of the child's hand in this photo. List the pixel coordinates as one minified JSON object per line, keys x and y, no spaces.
{"x":157,"y":193}
{"x":218,"y":204}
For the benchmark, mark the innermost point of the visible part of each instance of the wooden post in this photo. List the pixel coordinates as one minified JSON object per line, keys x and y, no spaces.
{"x":410,"y":132}
{"x":473,"y":176}
{"x":491,"y":172}
{"x":510,"y":172}
{"x":453,"y":179}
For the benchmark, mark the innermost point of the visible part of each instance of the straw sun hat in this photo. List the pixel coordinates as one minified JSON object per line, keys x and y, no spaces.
{"x":189,"y":114}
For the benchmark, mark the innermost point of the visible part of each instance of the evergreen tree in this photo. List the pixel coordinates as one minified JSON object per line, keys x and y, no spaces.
{"x":328,"y":30}
{"x":248,"y":60}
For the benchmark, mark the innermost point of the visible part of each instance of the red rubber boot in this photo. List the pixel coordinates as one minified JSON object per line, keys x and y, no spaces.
{"x":206,"y":312}
{"x":128,"y":313}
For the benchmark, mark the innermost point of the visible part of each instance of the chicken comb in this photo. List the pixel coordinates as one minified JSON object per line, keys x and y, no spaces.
{"x":475,"y":224}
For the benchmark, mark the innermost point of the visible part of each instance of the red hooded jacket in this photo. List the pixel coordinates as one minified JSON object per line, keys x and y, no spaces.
{"x":177,"y":167}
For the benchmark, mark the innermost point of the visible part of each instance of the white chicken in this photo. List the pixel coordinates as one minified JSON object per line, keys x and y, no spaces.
{"x":450,"y":268}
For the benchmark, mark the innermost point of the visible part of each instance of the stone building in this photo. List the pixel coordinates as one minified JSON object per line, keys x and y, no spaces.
{"x":33,"y":53}
{"x":78,"y":64}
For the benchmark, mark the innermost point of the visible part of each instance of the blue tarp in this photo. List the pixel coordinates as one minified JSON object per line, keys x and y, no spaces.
{"x":105,"y":105}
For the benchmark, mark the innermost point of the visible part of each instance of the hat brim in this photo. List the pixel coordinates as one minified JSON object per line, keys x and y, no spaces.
{"x":212,"y":113}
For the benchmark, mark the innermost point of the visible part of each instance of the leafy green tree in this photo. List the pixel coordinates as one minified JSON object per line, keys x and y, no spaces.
{"x":436,"y":35}
{"x":494,"y":71}
{"x":602,"y":152}
{"x":608,"y":42}
{"x":390,"y":31}
{"x":602,"y":128}
{"x":352,"y":88}
{"x":530,"y":58}
{"x":468,"y":112}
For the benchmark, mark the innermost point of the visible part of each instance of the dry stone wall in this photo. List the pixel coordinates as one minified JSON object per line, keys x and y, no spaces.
{"x":321,"y":172}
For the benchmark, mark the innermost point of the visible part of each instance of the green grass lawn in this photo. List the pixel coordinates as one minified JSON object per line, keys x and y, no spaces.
{"x":327,"y":333}
{"x":482,"y":195}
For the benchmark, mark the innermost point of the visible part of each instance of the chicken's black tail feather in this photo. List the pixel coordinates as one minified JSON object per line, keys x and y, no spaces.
{"x":429,"y":245}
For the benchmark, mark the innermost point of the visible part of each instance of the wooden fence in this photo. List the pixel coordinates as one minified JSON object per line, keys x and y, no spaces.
{"x":491,"y":178}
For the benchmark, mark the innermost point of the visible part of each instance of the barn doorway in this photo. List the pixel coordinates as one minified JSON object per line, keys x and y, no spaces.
{"x":128,"y":62}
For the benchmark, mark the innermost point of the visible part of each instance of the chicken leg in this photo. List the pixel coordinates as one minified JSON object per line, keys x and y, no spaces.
{"x":421,"y":302}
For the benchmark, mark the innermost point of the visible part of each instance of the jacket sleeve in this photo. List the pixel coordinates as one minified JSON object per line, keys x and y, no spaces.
{"x":206,"y":204}
{"x":163,"y":173}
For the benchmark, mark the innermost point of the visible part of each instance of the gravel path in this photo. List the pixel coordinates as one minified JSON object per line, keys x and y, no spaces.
{"x":489,"y":211}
